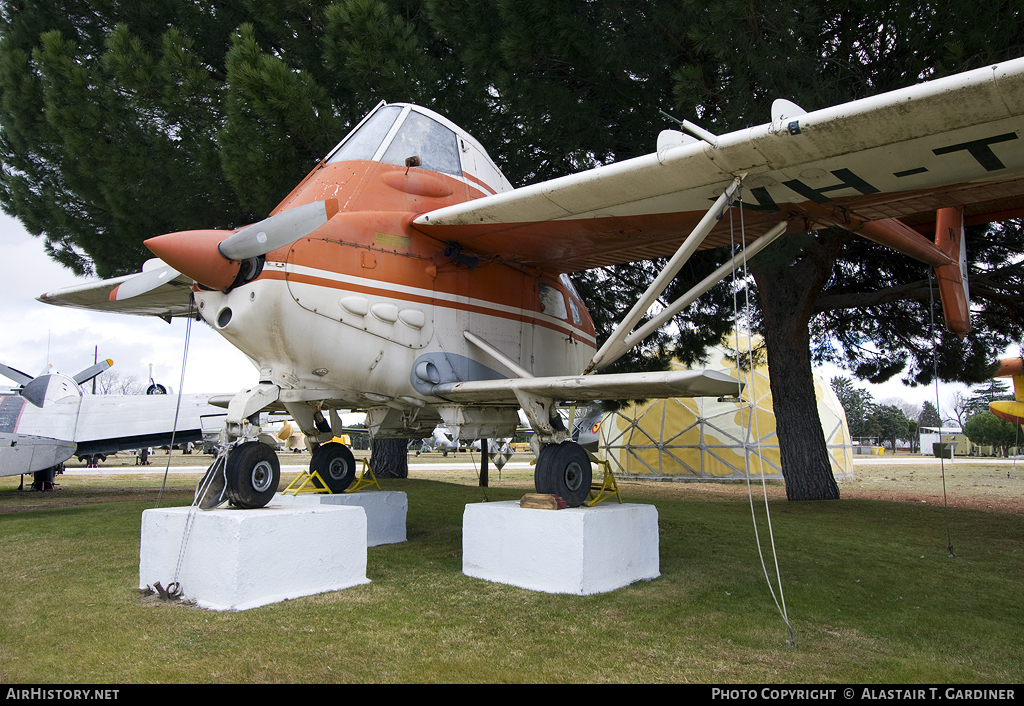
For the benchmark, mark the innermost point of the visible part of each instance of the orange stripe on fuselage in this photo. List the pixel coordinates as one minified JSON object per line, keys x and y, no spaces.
{"x":489,"y":191}
{"x":422,"y":299}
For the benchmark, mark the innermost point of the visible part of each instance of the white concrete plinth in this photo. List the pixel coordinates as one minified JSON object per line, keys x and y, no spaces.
{"x":386,"y":511}
{"x":240,"y":559}
{"x":577,"y":550}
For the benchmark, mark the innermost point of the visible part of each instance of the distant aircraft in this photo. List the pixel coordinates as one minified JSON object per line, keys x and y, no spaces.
{"x":440,"y":440}
{"x":1011,"y":411}
{"x":49,"y":418}
{"x":404,"y":276}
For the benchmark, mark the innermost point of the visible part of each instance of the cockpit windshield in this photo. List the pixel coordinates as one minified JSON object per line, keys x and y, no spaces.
{"x":417,"y":136}
{"x":363,"y":143}
{"x":427,"y":139}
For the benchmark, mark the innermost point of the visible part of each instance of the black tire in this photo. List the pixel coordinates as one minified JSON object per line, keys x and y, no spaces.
{"x":336,"y":465}
{"x":564,"y":470}
{"x":253,"y":474}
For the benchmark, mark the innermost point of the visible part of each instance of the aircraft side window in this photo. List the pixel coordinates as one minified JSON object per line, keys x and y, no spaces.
{"x":573,"y":298}
{"x":363,"y":143}
{"x":576,"y":318}
{"x":435,"y":145}
{"x":567,"y":283}
{"x":552,"y":302}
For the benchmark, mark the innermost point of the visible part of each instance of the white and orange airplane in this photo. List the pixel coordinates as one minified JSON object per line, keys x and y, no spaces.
{"x":404,"y":276}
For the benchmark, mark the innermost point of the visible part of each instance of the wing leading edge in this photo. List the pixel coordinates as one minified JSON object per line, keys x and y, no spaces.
{"x":904,"y":154}
{"x":171,"y":298}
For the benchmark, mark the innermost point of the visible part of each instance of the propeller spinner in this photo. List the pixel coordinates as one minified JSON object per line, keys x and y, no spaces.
{"x":214,"y":258}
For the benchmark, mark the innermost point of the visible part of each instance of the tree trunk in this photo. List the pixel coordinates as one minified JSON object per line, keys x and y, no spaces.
{"x":389,"y":458}
{"x":787,"y":293}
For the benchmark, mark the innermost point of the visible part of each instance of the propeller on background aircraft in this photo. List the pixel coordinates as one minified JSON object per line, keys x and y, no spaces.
{"x":15,"y":375}
{"x":34,"y":389}
{"x":92,"y":371}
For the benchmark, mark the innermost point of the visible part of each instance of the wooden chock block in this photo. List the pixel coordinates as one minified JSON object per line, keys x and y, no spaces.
{"x":542,"y":501}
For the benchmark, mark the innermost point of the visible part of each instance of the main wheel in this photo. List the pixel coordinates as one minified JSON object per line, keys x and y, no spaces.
{"x":336,"y":464}
{"x":253,"y":473}
{"x":564,"y":470}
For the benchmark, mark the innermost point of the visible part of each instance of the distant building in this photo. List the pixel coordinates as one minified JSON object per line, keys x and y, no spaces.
{"x":929,"y":436}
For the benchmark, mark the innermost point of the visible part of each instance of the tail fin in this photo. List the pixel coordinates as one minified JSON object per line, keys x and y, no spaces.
{"x":949,"y":234}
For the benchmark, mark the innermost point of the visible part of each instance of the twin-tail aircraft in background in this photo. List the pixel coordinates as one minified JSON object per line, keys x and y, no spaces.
{"x":405,"y":277}
{"x":49,"y":418}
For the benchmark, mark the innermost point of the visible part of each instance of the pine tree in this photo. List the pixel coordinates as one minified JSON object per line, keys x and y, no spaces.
{"x":121,"y":121}
{"x":929,"y":416}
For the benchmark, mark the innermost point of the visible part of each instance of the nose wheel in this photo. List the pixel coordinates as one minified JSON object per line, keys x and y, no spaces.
{"x":564,"y":470}
{"x":253,"y":473}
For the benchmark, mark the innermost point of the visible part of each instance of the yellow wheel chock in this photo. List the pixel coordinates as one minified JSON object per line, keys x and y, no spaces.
{"x":362,"y":482}
{"x":307,"y":482}
{"x":606,"y":489}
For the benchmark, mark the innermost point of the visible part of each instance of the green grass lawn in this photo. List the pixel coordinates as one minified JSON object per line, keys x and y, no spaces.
{"x":871,"y":593}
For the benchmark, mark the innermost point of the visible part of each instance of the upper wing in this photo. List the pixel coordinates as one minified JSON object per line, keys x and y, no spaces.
{"x":170,"y":298}
{"x":953,"y":141}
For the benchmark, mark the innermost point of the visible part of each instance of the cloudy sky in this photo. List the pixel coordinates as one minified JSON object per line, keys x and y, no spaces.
{"x":35,"y":334}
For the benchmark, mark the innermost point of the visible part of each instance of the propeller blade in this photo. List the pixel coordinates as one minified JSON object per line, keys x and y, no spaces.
{"x":16,"y":375}
{"x":144,"y":282}
{"x":92,"y":371}
{"x":281,"y":229}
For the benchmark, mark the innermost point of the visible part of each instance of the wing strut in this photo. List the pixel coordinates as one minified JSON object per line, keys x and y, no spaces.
{"x":496,"y":354}
{"x":624,"y":338}
{"x":691,"y":296}
{"x":664,"y":278}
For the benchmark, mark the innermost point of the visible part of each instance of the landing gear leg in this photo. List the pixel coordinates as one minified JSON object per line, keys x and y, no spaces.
{"x":43,"y":480}
{"x":564,"y":470}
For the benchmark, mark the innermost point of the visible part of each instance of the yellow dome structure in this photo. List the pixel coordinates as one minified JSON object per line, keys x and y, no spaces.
{"x":703,"y":438}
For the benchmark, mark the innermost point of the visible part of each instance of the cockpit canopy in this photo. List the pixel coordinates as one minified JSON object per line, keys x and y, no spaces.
{"x":392,"y":133}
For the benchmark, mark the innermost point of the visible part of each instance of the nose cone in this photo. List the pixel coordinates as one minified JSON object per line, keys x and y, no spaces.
{"x":194,"y":253}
